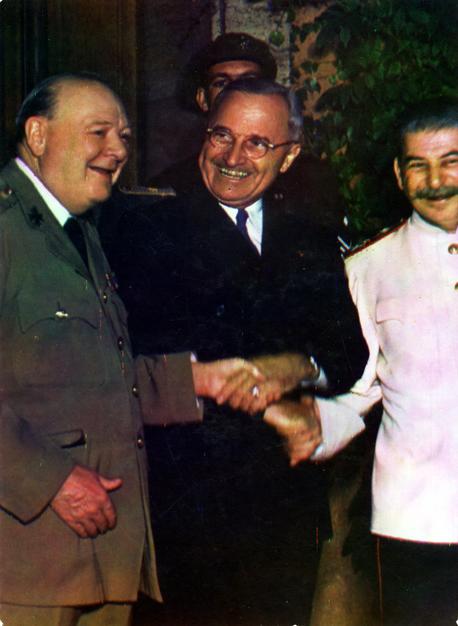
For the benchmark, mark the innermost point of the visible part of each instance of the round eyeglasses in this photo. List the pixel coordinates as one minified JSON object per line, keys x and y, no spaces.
{"x":253,"y":147}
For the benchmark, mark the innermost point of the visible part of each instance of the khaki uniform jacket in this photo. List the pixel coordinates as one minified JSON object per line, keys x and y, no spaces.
{"x":68,"y":396}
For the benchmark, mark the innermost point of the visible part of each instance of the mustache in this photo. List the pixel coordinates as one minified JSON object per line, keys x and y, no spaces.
{"x":441,"y":193}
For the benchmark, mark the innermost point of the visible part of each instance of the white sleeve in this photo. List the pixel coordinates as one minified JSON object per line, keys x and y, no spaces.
{"x":342,"y":416}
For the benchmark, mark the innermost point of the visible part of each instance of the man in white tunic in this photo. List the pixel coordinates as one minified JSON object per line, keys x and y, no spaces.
{"x":405,"y":285}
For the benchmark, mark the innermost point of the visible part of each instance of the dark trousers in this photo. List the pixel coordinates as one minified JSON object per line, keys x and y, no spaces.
{"x":266,"y":592}
{"x":418,"y":583}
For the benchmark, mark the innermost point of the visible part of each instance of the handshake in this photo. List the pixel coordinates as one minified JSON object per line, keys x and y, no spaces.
{"x":259,"y":384}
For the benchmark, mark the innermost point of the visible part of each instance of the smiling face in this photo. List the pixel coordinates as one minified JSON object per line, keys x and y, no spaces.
{"x":233,"y":178}
{"x":428,"y":174}
{"x":80,"y":151}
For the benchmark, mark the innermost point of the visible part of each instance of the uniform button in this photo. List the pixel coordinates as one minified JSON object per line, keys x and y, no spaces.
{"x":453,"y":248}
{"x":140,"y":441}
{"x":5,"y":192}
{"x":120,"y":343}
{"x":135,"y":391}
{"x":104,"y":298}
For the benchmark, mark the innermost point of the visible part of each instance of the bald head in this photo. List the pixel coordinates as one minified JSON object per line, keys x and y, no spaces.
{"x":42,"y":100}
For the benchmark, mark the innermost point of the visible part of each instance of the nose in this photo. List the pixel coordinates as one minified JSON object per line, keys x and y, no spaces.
{"x":234,"y":153}
{"x":435,"y":176}
{"x":118,"y":147}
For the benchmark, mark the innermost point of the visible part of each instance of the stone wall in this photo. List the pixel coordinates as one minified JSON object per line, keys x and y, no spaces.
{"x":257,"y":20}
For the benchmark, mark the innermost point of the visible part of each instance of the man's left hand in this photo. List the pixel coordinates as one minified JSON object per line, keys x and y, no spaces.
{"x":286,"y":370}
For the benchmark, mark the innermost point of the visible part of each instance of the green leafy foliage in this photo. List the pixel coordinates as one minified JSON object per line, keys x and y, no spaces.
{"x":388,"y":55}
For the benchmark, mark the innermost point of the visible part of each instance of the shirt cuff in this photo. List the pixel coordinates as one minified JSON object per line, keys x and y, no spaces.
{"x":319,"y":382}
{"x":339,"y":425}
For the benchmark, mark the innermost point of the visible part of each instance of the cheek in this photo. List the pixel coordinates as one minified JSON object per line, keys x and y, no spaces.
{"x":412,"y":182}
{"x":206,"y":161}
{"x":91,"y":149}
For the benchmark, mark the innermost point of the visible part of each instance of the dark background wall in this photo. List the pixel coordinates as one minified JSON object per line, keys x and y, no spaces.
{"x":137,"y":45}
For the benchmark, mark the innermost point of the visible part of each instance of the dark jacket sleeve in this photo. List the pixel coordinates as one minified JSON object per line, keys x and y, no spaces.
{"x":332,"y":331}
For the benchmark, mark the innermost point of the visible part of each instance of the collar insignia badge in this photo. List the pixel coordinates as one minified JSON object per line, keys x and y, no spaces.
{"x":35,"y":217}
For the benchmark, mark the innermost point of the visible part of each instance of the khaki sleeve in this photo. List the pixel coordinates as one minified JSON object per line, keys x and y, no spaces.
{"x":166,"y":389}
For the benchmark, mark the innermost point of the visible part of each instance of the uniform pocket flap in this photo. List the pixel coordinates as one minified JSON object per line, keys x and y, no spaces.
{"x":390,"y":309}
{"x":69,"y":438}
{"x":33,"y":315}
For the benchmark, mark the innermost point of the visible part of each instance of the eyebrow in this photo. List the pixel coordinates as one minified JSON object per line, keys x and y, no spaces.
{"x":106,"y":123}
{"x":253,"y":135}
{"x":408,"y":159}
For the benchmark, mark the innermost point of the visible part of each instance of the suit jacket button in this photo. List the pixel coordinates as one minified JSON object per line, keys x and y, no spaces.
{"x":135,"y":391}
{"x":120,"y":343}
{"x":104,"y":298}
{"x":220,"y":310}
{"x":140,"y":441}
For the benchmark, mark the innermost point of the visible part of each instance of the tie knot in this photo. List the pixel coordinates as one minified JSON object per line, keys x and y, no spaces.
{"x":71,"y":225}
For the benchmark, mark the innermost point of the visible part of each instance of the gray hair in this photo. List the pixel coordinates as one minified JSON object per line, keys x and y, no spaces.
{"x":264,"y":87}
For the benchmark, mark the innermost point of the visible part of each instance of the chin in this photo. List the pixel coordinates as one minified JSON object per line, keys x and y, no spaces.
{"x":100,"y":195}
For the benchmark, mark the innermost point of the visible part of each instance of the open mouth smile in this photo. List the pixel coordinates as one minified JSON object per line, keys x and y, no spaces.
{"x":229,"y":173}
{"x":109,"y":173}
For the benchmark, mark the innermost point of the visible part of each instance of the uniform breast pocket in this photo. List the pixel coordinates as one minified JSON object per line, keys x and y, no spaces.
{"x":403,"y":326}
{"x":60,"y":345}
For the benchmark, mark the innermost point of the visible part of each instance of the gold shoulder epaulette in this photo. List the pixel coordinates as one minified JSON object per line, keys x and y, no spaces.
{"x":380,"y":235}
{"x":157,"y":192}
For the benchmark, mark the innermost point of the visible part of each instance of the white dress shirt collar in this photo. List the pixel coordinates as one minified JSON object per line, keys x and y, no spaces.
{"x":57,"y":209}
{"x":254,"y":222}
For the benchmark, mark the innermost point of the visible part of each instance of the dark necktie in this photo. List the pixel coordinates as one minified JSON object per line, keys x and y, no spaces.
{"x":73,"y":229}
{"x":241,"y":220}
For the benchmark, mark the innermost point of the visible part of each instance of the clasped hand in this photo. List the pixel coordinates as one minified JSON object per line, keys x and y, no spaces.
{"x":250,"y":385}
{"x":300,"y":425}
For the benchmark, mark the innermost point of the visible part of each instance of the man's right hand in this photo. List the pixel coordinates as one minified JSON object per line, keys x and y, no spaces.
{"x":83,"y":502}
{"x":211,"y":379}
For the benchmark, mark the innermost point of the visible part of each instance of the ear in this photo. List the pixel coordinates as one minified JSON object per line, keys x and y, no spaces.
{"x":291,"y":155}
{"x":201,"y":99}
{"x":36,"y":130}
{"x":398,"y":173}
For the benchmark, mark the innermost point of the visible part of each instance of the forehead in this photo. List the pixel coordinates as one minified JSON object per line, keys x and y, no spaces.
{"x":86,"y":101}
{"x":248,"y":114}
{"x":431,"y":144}
{"x":234,"y":69}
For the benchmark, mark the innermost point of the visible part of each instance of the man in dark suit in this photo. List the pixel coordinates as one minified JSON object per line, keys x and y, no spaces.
{"x":239,"y":275}
{"x":307,"y":184}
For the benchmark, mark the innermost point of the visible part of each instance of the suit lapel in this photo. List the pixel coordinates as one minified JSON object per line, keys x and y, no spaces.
{"x":271,"y":229}
{"x":218,"y":235}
